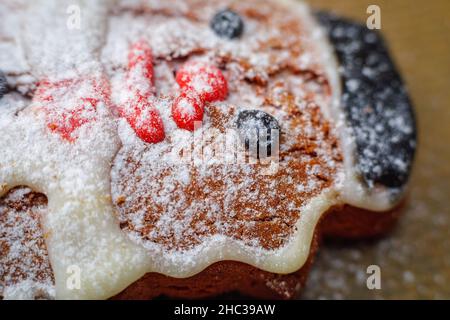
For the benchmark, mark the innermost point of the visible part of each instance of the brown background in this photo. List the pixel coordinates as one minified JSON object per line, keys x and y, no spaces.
{"x":415,"y":258}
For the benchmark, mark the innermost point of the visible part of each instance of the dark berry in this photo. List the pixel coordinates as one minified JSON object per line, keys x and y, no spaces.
{"x":3,"y":85}
{"x":259,"y":131}
{"x":227,"y":24}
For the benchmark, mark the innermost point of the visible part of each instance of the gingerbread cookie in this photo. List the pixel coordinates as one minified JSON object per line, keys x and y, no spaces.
{"x":190,"y":149}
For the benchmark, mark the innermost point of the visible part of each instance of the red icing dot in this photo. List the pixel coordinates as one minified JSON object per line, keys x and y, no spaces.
{"x":143,"y":117}
{"x":203,"y":78}
{"x":145,"y":120}
{"x":140,"y":77}
{"x":186,"y":110}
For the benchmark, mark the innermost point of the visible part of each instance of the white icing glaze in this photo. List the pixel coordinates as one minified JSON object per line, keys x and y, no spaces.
{"x":75,"y":177}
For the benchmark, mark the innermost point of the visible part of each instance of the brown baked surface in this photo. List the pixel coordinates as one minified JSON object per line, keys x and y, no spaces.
{"x":238,"y":201}
{"x":154,"y":205}
{"x":23,"y":253}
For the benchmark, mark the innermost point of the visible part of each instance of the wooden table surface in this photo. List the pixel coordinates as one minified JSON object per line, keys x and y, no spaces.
{"x":415,"y":258}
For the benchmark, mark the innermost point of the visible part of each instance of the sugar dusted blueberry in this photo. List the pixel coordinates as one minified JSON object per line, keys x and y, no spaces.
{"x":227,"y":24}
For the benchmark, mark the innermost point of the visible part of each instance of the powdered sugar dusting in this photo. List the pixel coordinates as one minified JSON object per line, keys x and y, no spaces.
{"x":164,"y":215}
{"x":171,"y":205}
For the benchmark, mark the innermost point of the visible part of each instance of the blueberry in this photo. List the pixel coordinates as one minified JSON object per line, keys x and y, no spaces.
{"x":259,"y":131}
{"x":3,"y":85}
{"x":227,"y":24}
